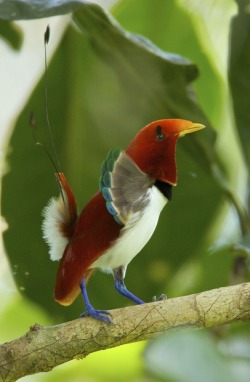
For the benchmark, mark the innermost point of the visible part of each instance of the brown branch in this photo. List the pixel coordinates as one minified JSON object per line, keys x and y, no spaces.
{"x":43,"y":348}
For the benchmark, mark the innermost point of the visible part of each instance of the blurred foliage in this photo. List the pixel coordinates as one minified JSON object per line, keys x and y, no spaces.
{"x":34,"y":9}
{"x":11,"y":34}
{"x":104,"y":84}
{"x":239,"y":75}
{"x":206,"y":362}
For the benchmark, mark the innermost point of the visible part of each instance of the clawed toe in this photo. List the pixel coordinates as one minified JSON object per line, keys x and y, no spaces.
{"x":162,"y":297}
{"x":102,"y":315}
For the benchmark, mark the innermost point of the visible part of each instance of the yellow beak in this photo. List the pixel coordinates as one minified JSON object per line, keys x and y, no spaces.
{"x":191,"y":129}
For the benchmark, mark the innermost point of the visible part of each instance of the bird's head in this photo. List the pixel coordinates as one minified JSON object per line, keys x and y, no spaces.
{"x":153,"y":148}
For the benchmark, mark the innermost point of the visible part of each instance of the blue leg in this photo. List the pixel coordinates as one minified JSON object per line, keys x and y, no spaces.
{"x":119,"y":274}
{"x":102,"y":315}
{"x":121,"y":288}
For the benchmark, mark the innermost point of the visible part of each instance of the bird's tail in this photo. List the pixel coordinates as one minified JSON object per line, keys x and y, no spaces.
{"x":59,"y":219}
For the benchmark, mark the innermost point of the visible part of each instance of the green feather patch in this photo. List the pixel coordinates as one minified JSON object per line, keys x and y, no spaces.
{"x":106,"y":179}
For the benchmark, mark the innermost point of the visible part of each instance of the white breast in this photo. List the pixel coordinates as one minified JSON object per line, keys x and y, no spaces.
{"x":134,"y":236}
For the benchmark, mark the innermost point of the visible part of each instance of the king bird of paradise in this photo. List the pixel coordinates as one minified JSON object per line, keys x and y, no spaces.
{"x":118,"y":221}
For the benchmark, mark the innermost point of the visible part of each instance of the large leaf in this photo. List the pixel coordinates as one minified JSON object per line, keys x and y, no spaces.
{"x":104,"y":85}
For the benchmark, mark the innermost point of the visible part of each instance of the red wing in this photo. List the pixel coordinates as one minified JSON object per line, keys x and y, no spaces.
{"x":94,"y":232}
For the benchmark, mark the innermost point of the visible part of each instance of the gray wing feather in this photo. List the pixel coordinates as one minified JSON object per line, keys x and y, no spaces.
{"x":127,"y":191}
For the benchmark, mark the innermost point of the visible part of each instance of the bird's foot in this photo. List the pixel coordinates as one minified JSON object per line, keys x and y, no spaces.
{"x":162,"y":297}
{"x":102,"y":315}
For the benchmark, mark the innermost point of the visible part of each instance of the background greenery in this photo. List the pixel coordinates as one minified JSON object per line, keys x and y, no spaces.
{"x":104,"y":84}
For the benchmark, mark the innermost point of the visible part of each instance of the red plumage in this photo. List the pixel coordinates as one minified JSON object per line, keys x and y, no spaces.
{"x":95,"y":230}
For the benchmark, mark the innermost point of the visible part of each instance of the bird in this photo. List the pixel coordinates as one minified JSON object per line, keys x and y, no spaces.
{"x":134,"y":186}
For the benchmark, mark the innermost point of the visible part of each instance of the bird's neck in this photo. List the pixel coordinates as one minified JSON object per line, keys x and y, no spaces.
{"x":165,"y":188}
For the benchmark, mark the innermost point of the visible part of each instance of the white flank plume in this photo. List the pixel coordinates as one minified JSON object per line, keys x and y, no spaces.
{"x":54,"y":217}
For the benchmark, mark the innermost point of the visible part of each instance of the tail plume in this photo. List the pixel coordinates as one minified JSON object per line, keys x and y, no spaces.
{"x":59,"y":219}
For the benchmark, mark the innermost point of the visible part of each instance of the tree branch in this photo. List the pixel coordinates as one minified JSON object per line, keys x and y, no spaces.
{"x":43,"y":348}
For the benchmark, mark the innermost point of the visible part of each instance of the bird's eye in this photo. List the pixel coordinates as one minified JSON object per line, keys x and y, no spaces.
{"x":160,"y":137}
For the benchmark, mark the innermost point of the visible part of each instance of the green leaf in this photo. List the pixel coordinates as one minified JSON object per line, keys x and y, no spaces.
{"x":143,"y":68}
{"x":11,"y":34}
{"x":35,"y":9}
{"x":239,"y":73}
